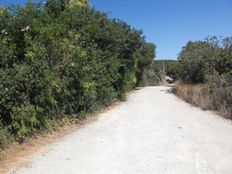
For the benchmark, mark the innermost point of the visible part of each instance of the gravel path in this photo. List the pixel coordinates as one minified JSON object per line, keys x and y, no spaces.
{"x":153,"y":132}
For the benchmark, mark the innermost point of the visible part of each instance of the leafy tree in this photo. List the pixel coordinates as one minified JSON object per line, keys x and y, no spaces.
{"x":209,"y":62}
{"x":198,"y":59}
{"x":148,"y":54}
{"x":64,"y":58}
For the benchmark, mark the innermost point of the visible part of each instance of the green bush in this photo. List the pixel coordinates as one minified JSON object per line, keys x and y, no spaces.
{"x":5,"y":137}
{"x":202,"y":58}
{"x":63,"y":58}
{"x":209,"y":63}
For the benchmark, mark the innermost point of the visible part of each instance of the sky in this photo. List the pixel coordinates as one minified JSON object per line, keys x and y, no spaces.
{"x":169,"y":24}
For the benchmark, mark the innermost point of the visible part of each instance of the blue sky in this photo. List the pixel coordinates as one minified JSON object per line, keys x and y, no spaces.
{"x":170,"y":24}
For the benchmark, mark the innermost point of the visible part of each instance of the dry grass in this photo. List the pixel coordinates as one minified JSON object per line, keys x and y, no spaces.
{"x":198,"y":96}
{"x":192,"y":94}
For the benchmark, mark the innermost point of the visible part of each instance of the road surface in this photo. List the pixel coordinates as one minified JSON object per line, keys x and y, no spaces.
{"x":153,"y":132}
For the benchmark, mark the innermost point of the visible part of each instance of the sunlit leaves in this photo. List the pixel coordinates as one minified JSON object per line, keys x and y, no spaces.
{"x":77,"y":3}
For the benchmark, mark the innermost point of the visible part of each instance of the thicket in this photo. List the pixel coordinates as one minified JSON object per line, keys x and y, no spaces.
{"x":63,"y":59}
{"x":209,"y":62}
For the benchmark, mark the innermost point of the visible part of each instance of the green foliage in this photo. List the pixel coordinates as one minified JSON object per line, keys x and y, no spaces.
{"x":64,"y":58}
{"x":201,"y":58}
{"x":7,"y":53}
{"x":5,"y":137}
{"x":145,"y":74}
{"x":171,"y":68}
{"x":150,"y":77}
{"x":210,"y":62}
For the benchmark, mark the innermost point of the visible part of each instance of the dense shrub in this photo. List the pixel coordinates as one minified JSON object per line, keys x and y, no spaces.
{"x":208,"y":63}
{"x":202,"y":58}
{"x":63,"y":58}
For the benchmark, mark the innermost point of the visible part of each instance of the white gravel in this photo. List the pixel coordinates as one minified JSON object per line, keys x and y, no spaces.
{"x":153,"y":132}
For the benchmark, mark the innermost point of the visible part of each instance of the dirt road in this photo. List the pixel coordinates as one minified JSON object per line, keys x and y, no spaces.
{"x":153,"y":132}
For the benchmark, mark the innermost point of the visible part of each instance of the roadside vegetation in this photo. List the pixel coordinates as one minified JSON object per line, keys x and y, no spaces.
{"x":155,"y":73}
{"x":64,"y":59}
{"x":205,"y":70}
{"x":166,"y":68}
